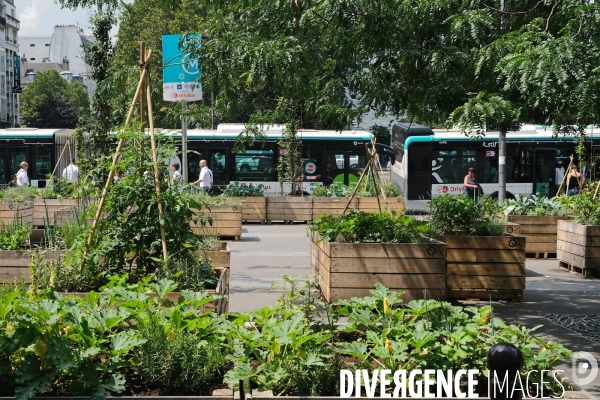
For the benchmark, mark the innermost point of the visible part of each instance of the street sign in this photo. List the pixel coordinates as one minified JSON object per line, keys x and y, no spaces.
{"x":17,"y":89}
{"x":181,"y":73}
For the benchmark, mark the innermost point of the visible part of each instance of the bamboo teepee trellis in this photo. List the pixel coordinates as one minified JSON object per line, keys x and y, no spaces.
{"x":143,"y":86}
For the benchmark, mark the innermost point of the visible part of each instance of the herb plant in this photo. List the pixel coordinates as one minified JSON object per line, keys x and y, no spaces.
{"x":18,"y":194}
{"x":60,"y":188}
{"x":14,"y":235}
{"x":237,"y":190}
{"x":462,"y":216}
{"x":362,"y":227}
{"x":585,"y":207}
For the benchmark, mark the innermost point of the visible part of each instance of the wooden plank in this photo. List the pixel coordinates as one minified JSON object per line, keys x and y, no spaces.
{"x":572,"y":227}
{"x":584,"y":251}
{"x":390,"y":250}
{"x":540,"y":247}
{"x":484,"y":282}
{"x":484,"y":255}
{"x":540,"y":238}
{"x":482,"y":242}
{"x":336,"y":294}
{"x":392,"y":281}
{"x":485,"y":294}
{"x":273,"y":200}
{"x":577,"y":260}
{"x":581,"y":240}
{"x":486,"y":269}
{"x":538,"y":229}
{"x":512,"y":229}
{"x":536,"y":219}
{"x":389,"y":265}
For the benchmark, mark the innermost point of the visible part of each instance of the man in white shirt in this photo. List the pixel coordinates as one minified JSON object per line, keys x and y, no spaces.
{"x":22,"y":178}
{"x":206,"y":177}
{"x":71,"y":172}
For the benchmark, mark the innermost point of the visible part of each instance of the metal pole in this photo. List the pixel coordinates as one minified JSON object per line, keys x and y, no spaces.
{"x":502,"y":166}
{"x":184,"y":156}
{"x":212,"y":110}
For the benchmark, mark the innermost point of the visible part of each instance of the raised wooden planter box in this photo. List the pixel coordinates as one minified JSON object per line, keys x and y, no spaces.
{"x":289,"y":209}
{"x":332,"y":205}
{"x":51,"y":205}
{"x":226,"y":222}
{"x":347,"y":270}
{"x":482,"y":266}
{"x":578,"y":247}
{"x":21,"y":211}
{"x":540,"y":233}
{"x":253,"y":208}
{"x":512,"y":229}
{"x":220,"y":258}
{"x":14,"y":264}
{"x":369,"y":204}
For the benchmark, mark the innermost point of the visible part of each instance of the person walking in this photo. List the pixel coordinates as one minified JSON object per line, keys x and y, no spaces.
{"x":71,"y":172}
{"x":205,"y":181}
{"x":22,"y":178}
{"x":574,"y":181}
{"x":13,"y":182}
{"x":471,"y":187}
{"x":559,"y":175}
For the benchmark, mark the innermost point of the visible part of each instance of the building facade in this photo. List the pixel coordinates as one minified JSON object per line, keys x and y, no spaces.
{"x":63,"y":51}
{"x":10,"y":74}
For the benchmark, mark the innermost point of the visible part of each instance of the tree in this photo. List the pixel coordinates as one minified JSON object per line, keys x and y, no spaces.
{"x":382,"y":133}
{"x":52,"y":102}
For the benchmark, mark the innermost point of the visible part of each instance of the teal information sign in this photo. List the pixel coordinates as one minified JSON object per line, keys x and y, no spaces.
{"x":181,"y":73}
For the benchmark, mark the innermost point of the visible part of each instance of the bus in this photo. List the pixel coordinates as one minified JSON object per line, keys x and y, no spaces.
{"x":328,"y":156}
{"x":432,"y":162}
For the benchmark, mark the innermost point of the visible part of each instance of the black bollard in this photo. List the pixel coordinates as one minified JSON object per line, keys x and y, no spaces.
{"x":505,"y":361}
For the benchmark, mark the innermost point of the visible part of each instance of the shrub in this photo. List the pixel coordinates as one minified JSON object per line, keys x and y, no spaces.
{"x":237,"y":190}
{"x":586,"y":208}
{"x":362,"y":227}
{"x":60,"y":188}
{"x":14,"y":235}
{"x":462,"y":216}
{"x":534,"y":205}
{"x":18,"y":194}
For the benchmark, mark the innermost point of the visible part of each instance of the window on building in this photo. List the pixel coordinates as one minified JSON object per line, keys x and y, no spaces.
{"x":32,"y":45}
{"x":32,"y":58}
{"x":47,"y":44}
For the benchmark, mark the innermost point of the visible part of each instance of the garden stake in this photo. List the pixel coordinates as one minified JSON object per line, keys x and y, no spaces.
{"x":565,"y":176}
{"x":155,"y":162}
{"x":111,"y":172}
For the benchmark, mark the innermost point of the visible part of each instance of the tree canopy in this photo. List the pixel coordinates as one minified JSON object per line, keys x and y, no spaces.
{"x":52,"y":102}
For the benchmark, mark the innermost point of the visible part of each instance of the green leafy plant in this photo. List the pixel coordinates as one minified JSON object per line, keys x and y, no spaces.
{"x":18,"y":194}
{"x":535,"y":205}
{"x":461,"y":215}
{"x":586,"y":208}
{"x":320,"y":191}
{"x":60,"y":188}
{"x":362,"y":227}
{"x":193,"y":273}
{"x":236,"y":190}
{"x":14,"y":234}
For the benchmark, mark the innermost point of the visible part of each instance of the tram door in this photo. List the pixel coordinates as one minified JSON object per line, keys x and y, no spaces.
{"x":544,"y":172}
{"x":10,"y":158}
{"x":344,"y":166}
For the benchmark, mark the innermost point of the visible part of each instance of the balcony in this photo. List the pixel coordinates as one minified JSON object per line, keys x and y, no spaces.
{"x":12,"y":21}
{"x":2,"y":22}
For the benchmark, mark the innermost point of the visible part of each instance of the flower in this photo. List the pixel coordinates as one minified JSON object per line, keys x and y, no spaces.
{"x":386,"y":305}
{"x":388,"y":345}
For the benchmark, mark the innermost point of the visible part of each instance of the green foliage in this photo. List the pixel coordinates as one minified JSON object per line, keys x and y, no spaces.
{"x":60,"y":188}
{"x":534,"y":205}
{"x":462,"y":216}
{"x":587,"y":208}
{"x":51,"y":101}
{"x":18,"y":194}
{"x":74,"y":228}
{"x":14,"y":234}
{"x":320,"y":191}
{"x":382,"y":133}
{"x":191,"y":273}
{"x":362,"y":227}
{"x":236,"y":190}
{"x":206,"y":200}
{"x":336,"y":189}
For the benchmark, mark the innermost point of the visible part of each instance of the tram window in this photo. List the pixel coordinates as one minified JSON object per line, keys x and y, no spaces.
{"x":255,"y":165}
{"x":487,"y":171}
{"x":311,"y":163}
{"x":43,"y":161}
{"x":451,"y":166}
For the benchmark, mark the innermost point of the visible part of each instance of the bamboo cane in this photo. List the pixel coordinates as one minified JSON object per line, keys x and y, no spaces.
{"x":565,"y":176}
{"x":111,"y":172}
{"x":155,"y":162}
{"x":56,"y":166}
{"x":356,"y":187}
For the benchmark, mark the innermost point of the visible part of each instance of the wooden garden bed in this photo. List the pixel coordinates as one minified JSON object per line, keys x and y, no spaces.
{"x":253,"y":208}
{"x":43,"y":208}
{"x":480,"y":267}
{"x":369,"y":204}
{"x":21,"y":211}
{"x":220,"y":258}
{"x":332,"y":205}
{"x":226,"y":222}
{"x":578,"y":247}
{"x":14,"y":264}
{"x":540,"y":232}
{"x":347,"y":270}
{"x":289,"y":208}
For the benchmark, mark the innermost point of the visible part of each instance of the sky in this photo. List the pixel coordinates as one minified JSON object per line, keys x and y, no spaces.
{"x":38,"y":17}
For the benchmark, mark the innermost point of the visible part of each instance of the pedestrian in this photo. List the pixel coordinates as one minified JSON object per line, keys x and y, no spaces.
{"x":13,"y":182}
{"x":559,"y":175}
{"x":176,"y":178}
{"x":574,"y":180}
{"x":206,"y":177}
{"x":22,"y":178}
{"x":71,"y":172}
{"x":471,"y":187}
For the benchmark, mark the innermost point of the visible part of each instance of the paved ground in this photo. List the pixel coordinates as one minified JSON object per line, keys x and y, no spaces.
{"x":267,"y":252}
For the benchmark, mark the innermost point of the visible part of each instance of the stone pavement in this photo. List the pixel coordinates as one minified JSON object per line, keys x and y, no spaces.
{"x":267,"y":252}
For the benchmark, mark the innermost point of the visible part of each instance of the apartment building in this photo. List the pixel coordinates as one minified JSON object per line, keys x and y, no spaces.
{"x":10,"y":74}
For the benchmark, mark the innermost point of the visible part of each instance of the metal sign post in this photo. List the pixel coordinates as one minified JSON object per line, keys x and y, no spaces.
{"x":181,"y":81}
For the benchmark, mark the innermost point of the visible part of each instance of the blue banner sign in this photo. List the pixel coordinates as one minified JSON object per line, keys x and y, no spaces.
{"x":181,"y":73}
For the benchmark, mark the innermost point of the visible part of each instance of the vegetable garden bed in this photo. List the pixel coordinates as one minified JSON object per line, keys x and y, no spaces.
{"x":21,"y":211}
{"x":347,"y":270}
{"x":45,"y":208}
{"x":540,"y":232}
{"x":483,"y":266}
{"x":14,"y":264}
{"x":289,"y":209}
{"x":369,"y":204}
{"x":332,"y":205}
{"x":253,"y":208}
{"x":226,"y":222}
{"x":578,"y":247}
